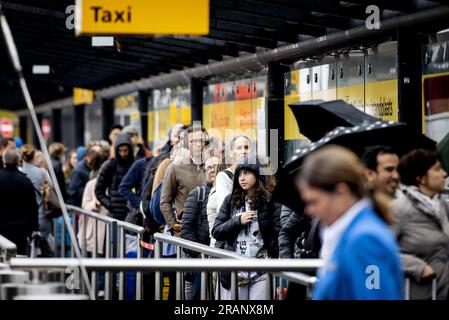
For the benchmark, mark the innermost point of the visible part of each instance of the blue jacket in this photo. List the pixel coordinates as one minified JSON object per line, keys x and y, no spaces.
{"x":133,"y":180}
{"x":78,"y":181}
{"x":365,"y":265}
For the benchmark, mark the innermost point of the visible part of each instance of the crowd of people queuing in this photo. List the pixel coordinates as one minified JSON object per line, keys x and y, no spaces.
{"x":374,"y":220}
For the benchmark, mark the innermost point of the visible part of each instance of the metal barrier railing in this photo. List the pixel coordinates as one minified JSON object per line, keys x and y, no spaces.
{"x":8,"y":249}
{"x":206,"y":251}
{"x":114,"y":246}
{"x":169,"y":265}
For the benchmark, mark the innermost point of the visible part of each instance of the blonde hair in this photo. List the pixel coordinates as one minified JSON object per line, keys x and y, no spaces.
{"x":27,"y":153}
{"x":56,"y":149}
{"x":39,"y":160}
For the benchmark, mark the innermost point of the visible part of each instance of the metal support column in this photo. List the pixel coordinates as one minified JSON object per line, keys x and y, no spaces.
{"x":107,"y":112}
{"x":275,"y":109}
{"x":143,"y":101}
{"x":56,"y":130}
{"x":196,"y":98}
{"x":23,"y":120}
{"x":79,"y":125}
{"x":409,"y":77}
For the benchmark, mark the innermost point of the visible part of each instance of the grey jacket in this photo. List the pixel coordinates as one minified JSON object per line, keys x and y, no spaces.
{"x":422,"y":241}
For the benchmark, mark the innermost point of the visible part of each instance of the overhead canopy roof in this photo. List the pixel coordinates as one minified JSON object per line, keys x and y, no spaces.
{"x":237,"y":28}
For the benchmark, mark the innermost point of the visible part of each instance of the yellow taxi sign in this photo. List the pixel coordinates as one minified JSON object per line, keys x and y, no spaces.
{"x":82,"y":96}
{"x":164,"y":17}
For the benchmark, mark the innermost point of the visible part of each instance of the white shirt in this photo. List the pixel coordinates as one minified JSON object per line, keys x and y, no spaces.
{"x":331,"y":235}
{"x":223,"y":187}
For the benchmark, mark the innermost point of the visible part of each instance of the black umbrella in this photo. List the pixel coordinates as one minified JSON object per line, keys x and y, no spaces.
{"x":401,"y":137}
{"x":318,"y":117}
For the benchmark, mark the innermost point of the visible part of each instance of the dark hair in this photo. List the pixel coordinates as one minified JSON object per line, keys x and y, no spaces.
{"x":369,"y":157}
{"x":97,"y":160}
{"x":326,"y":168}
{"x":191,"y":129}
{"x":116,"y":126}
{"x":415,"y":165}
{"x":261,"y":193}
{"x":5,"y":141}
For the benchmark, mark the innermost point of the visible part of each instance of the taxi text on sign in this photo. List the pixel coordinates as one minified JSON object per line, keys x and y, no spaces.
{"x":142,"y":17}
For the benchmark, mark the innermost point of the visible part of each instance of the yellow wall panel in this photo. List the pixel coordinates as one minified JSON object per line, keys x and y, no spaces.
{"x":381,"y":99}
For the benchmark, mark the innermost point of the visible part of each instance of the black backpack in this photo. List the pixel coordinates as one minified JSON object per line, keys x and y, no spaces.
{"x":148,"y":179}
{"x":229,"y":174}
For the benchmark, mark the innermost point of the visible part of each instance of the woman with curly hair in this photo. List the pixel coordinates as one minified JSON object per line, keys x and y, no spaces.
{"x":248,"y":222}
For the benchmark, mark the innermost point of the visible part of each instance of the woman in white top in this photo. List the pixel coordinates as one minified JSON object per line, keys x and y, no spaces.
{"x":240,"y":148}
{"x":212,"y":209}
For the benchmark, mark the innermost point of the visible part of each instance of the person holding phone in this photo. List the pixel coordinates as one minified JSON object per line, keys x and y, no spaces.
{"x":249,"y":223}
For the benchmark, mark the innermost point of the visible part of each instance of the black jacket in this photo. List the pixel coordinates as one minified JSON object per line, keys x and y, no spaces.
{"x":227,"y":227}
{"x":293,"y":227}
{"x":57,"y":165}
{"x":18,"y":209}
{"x":109,"y":178}
{"x":297,"y":228}
{"x":78,"y":181}
{"x":194,"y":219}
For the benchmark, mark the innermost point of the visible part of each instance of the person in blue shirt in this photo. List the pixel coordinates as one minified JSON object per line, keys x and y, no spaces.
{"x":360,"y":254}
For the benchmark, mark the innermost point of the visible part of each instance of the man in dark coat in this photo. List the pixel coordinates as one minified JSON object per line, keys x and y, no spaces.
{"x":111,"y":175}
{"x":18,"y":209}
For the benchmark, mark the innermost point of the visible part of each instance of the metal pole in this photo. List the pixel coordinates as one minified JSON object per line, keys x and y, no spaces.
{"x":281,"y":288}
{"x":63,"y":238}
{"x":84,"y":247}
{"x":13,"y":53}
{"x":94,"y":255}
{"x":407,"y":289}
{"x":121,"y":292}
{"x":218,"y":287}
{"x":139,"y":274}
{"x":157,"y":274}
{"x":55,"y":236}
{"x":8,"y":249}
{"x":434,"y":288}
{"x":84,"y":237}
{"x":170,"y":265}
{"x":234,"y":286}
{"x":203,"y":282}
{"x":178,"y":276}
{"x":269,"y":290}
{"x":72,"y":244}
{"x":183,"y":289}
{"x":108,"y":280}
{"x":114,"y":249}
